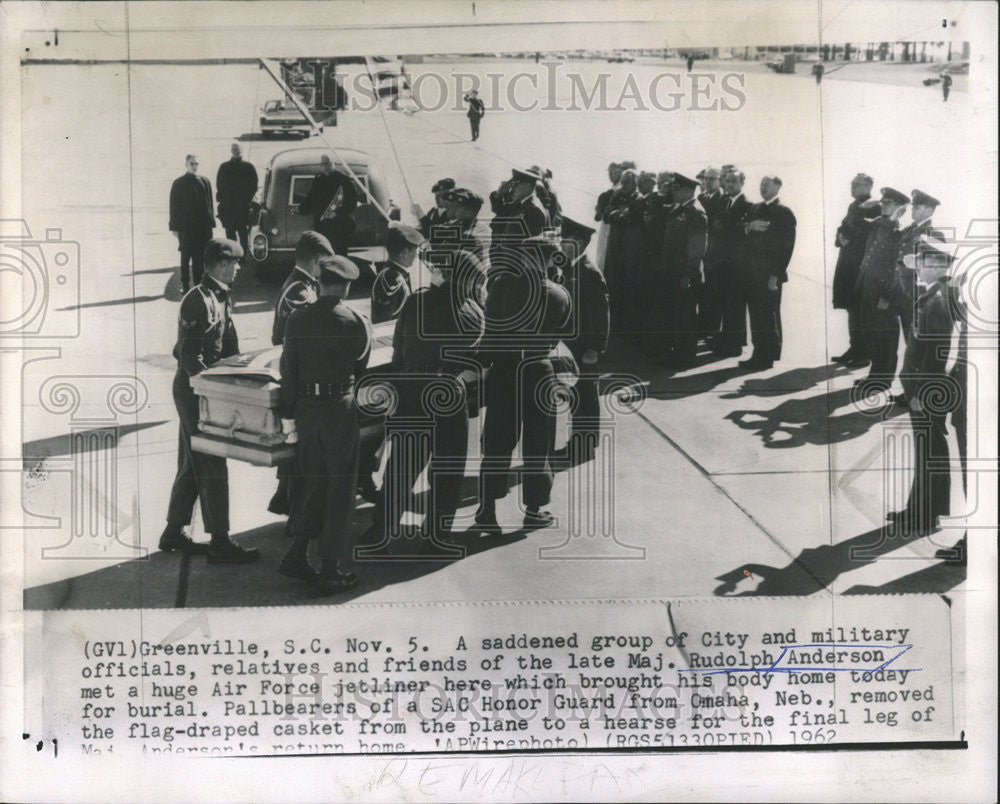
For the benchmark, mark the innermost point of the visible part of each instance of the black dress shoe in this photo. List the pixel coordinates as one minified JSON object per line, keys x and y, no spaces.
{"x":174,"y":539}
{"x":957,"y":555}
{"x":279,"y":503}
{"x":327,"y":585}
{"x":538,"y":519}
{"x":846,"y":357}
{"x":754,"y":364}
{"x":228,"y":552}
{"x":858,"y":362}
{"x":298,"y":569}
{"x":486,"y":521}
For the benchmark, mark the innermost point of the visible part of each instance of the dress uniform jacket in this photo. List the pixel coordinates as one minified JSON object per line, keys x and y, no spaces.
{"x":852,"y":234}
{"x":925,"y":377}
{"x":726,"y":243}
{"x":326,"y":345}
{"x":512,"y":223}
{"x":235,"y":186}
{"x":474,"y":238}
{"x":876,"y":284}
{"x":390,"y":291}
{"x":904,"y":291}
{"x":685,"y":238}
{"x":299,"y":290}
{"x":436,"y":326}
{"x":205,"y":335}
{"x":518,"y":376}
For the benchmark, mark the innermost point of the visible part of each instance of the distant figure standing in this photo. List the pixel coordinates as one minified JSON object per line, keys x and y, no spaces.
{"x":945,"y":85}
{"x":235,"y":187}
{"x":476,"y":111}
{"x":690,"y":62}
{"x":818,"y":70}
{"x":192,"y":220}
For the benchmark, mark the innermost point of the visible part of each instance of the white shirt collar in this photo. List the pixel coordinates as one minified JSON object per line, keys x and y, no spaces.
{"x":772,"y":201}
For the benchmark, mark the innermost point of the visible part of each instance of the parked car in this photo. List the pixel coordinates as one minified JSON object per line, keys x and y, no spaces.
{"x":278,"y":117}
{"x":275,"y":230}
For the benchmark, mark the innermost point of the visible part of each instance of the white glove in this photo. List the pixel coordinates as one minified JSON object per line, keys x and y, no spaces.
{"x":288,"y":429}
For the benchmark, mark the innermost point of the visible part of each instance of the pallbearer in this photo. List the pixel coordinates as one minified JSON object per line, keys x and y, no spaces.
{"x":206,"y":334}
{"x":326,"y":345}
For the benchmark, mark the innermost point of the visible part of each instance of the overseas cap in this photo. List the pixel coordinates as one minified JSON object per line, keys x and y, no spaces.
{"x":410,"y":234}
{"x":339,"y":267}
{"x":466,"y":198}
{"x":443,"y":185}
{"x":218,"y":248}
{"x":891,"y":194}
{"x":313,"y":244}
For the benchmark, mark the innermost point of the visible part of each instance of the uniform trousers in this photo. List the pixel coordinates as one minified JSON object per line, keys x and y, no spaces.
{"x":327,"y":469}
{"x":710,"y":301}
{"x":430,"y":429}
{"x":764,"y":305}
{"x":930,"y":493}
{"x":516,"y":410}
{"x":200,"y":477}
{"x":881,"y":328}
{"x":192,"y":246}
{"x":734,"y":309}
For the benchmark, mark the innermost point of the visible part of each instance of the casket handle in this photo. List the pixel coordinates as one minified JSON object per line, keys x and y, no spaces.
{"x":235,"y":424}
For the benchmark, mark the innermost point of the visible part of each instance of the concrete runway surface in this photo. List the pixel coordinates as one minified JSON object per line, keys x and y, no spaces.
{"x":721,"y":482}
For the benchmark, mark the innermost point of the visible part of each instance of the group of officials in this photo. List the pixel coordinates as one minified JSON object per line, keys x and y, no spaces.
{"x":688,"y":259}
{"x":515,"y":300}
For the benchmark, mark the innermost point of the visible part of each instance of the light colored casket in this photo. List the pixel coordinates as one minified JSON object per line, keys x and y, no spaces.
{"x":238,"y":404}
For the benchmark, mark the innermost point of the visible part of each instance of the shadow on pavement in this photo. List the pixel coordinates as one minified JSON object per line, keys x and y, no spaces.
{"x":789,"y":382}
{"x":815,"y":568}
{"x":100,"y":438}
{"x":796,"y":422}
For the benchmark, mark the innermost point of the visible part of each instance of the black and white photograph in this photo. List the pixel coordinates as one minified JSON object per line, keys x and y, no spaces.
{"x":490,"y":400}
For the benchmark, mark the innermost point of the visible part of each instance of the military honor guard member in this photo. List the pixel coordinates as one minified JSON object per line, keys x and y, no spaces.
{"x":766,"y":251}
{"x":517,"y":215}
{"x":300,"y":289}
{"x":685,"y":237}
{"x":726,"y":245}
{"x":331,"y":200}
{"x":206,"y":334}
{"x":326,"y":345}
{"x":525,"y":314}
{"x":437,"y":326}
{"x":192,"y":220}
{"x":876,"y":285}
{"x":852,"y":235}
{"x":393,"y":285}
{"x":235,"y":187}
{"x":932,"y":396}
{"x":439,"y":212}
{"x":587,"y":336}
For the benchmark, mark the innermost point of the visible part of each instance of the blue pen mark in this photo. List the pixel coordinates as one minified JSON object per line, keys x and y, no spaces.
{"x":777,"y":666}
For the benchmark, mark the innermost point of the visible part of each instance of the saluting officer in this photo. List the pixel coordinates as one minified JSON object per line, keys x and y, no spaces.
{"x":517,"y":215}
{"x":852,"y":234}
{"x":587,"y":336}
{"x":684,"y":241}
{"x":206,"y":334}
{"x":437,"y":326}
{"x":439,"y":213}
{"x":392,"y":286}
{"x":326,"y":345}
{"x":525,"y":314}
{"x":301,"y":288}
{"x":876,"y":284}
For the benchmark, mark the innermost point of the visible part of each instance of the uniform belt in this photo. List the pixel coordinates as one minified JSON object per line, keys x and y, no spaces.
{"x":325,"y":390}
